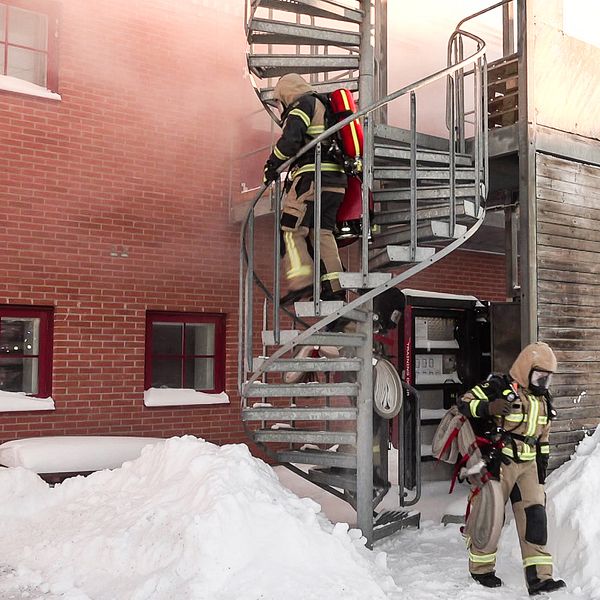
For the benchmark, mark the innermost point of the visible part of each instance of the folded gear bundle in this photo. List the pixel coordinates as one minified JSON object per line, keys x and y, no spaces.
{"x":455,"y":442}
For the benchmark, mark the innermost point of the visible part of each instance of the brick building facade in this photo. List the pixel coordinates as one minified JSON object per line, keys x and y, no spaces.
{"x":116,"y":209}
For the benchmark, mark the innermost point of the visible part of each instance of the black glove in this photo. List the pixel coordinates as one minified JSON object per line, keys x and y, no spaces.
{"x":499,"y":406}
{"x":270,"y":173}
{"x":542,"y":466}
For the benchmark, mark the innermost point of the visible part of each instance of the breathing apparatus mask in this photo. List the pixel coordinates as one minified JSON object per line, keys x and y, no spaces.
{"x":539,"y":381}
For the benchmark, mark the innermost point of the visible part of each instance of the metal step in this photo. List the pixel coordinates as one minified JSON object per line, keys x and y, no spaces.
{"x":304,"y":436}
{"x":263,"y":31}
{"x":314,"y":457}
{"x":320,"y":86}
{"x":391,"y":153}
{"x":312,"y":365}
{"x":322,"y":338}
{"x":271,"y":413}
{"x":426,"y":232}
{"x":276,"y":65}
{"x":388,"y":522}
{"x":298,"y":390}
{"x":423,"y":193}
{"x":307,"y":309}
{"x":398,"y":255}
{"x":317,"y":8}
{"x":465,"y":210}
{"x":344,"y":479}
{"x":354,"y":281}
{"x":398,"y":136}
{"x":463,"y":174}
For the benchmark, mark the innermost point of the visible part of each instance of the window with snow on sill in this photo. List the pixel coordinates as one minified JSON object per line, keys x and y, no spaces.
{"x":182,"y":397}
{"x":20,"y":86}
{"x":19,"y":401}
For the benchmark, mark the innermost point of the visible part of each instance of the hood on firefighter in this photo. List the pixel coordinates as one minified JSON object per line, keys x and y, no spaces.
{"x":290,"y":87}
{"x":534,"y":356}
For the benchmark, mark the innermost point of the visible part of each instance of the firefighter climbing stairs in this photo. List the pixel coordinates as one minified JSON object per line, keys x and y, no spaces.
{"x":306,"y":382}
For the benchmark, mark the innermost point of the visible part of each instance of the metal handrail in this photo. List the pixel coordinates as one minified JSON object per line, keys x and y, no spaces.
{"x":477,"y":56}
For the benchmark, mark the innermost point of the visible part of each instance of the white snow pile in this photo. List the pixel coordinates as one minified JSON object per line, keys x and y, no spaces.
{"x":573,"y":509}
{"x":187,"y":520}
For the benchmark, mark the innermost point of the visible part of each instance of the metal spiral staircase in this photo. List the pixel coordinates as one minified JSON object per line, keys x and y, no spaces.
{"x":429,"y":199}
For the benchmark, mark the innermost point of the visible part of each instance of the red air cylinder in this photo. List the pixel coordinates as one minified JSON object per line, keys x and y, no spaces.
{"x":349,"y":215}
{"x":343,"y":105}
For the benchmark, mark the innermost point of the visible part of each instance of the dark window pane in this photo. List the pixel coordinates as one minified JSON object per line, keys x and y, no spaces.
{"x":28,"y":65}
{"x":167,"y":338}
{"x":19,"y":335}
{"x":199,"y":338}
{"x":200,"y":373}
{"x":27,"y":28}
{"x":19,"y":375}
{"x":166,"y":373}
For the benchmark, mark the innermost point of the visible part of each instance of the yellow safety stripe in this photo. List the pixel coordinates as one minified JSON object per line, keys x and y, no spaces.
{"x":352,"y":125}
{"x":473,"y":405}
{"x":534,"y":411}
{"x":310,"y":168}
{"x":330,"y":276}
{"x":526,"y":453}
{"x":315,"y":130}
{"x":537,"y":560}
{"x":482,"y":558}
{"x":279,"y":154}
{"x":300,"y":113}
{"x":297,"y":269}
{"x":479,"y":393}
{"x":545,"y":448}
{"x":522,"y":418}
{"x":516,"y":418}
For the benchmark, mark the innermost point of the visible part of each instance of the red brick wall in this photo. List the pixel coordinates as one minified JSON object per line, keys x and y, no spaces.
{"x":135,"y":156}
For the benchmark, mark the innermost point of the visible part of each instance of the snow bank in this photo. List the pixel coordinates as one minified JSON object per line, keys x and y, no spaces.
{"x":187,"y":520}
{"x":573,"y":493}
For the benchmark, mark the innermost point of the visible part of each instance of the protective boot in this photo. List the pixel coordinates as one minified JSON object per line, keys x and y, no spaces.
{"x":487,"y":579}
{"x":546,"y":585}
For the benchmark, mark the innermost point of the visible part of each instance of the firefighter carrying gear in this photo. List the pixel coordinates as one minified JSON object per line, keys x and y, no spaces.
{"x":304,"y":119}
{"x":525,"y":432}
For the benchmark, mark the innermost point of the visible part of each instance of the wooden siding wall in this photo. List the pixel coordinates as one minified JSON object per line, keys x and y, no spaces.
{"x":568,"y":262}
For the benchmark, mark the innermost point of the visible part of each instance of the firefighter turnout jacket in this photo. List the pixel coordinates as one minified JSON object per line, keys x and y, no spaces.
{"x":303,"y":120}
{"x":525,"y":427}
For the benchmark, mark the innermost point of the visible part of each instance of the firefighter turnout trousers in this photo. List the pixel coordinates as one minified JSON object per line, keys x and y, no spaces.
{"x":297,"y":221}
{"x":520,"y":483}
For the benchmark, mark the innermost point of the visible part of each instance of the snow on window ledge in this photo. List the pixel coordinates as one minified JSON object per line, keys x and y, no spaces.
{"x":19,"y":401}
{"x":20,"y":86}
{"x":182,"y":397}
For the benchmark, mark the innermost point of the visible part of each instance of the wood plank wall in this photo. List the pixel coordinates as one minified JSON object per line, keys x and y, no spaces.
{"x":568,"y":262}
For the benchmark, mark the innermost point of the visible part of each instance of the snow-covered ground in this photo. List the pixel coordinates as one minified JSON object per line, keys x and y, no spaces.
{"x":190,"y":520}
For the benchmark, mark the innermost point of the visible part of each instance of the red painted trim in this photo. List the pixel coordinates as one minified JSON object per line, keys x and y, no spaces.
{"x":218,"y":319}
{"x":46,"y":316}
{"x":408,"y":361}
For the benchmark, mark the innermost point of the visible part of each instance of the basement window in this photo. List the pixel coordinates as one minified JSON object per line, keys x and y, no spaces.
{"x":26,"y":351}
{"x":185,"y":351}
{"x":28,"y":46}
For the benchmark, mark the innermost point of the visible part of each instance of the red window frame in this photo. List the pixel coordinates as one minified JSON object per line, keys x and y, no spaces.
{"x":50,"y":9}
{"x":46,"y":316}
{"x":218,"y":319}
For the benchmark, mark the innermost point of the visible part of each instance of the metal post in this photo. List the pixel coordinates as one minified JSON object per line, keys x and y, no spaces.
{"x":364,"y":422}
{"x":508,"y":28}
{"x":478,"y":129}
{"x":452,"y":158}
{"x":317,"y":233}
{"x":249,"y":291}
{"x":364,"y":432}
{"x":413,"y":177}
{"x":276,"y":261}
